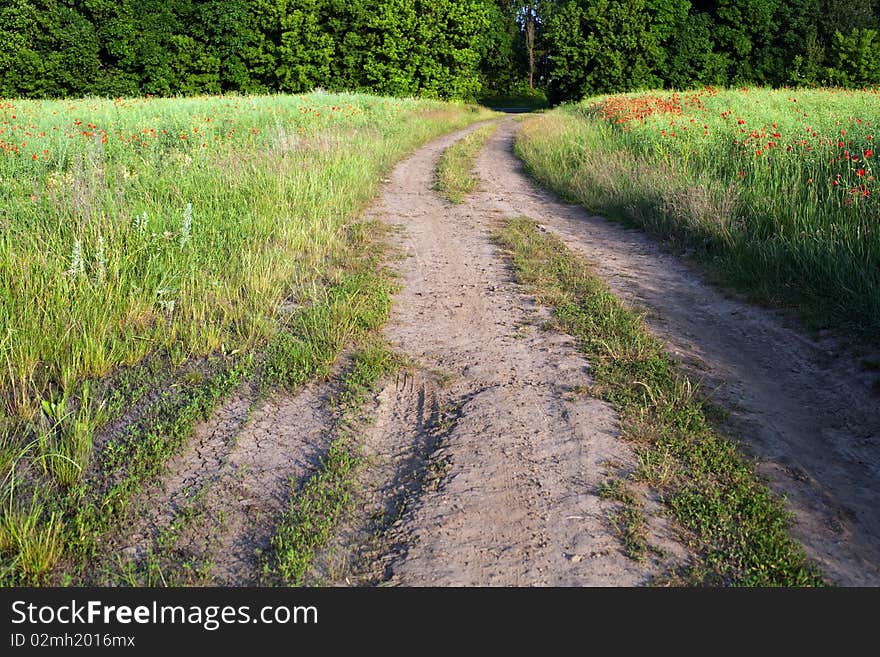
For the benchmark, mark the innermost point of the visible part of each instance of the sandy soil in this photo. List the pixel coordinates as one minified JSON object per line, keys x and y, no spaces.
{"x":806,"y":409}
{"x":226,"y":489}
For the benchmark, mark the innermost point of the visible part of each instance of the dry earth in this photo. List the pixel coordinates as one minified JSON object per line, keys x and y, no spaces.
{"x":518,"y":503}
{"x":218,"y":503}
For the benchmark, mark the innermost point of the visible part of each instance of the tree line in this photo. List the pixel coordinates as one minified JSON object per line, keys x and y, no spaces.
{"x":440,"y":48}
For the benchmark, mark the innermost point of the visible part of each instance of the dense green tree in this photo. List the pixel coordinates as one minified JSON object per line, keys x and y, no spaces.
{"x":226,"y":29}
{"x":855,"y":58}
{"x":741,"y":26}
{"x":599,"y":46}
{"x":692,"y":59}
{"x":305,"y":50}
{"x":390,"y":64}
{"x":48,"y":49}
{"x":448,"y":46}
{"x":21,"y":69}
{"x":794,"y":56}
{"x":440,"y":48}
{"x":500,"y":66}
{"x":844,"y":16}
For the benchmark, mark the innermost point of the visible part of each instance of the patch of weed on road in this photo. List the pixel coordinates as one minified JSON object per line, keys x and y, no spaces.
{"x":455,"y":170}
{"x":315,"y":511}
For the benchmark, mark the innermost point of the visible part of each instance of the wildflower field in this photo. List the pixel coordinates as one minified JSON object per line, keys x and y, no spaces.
{"x":776,"y":190}
{"x":185,"y":242}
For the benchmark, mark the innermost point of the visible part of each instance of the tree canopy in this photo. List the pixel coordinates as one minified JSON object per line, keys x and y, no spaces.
{"x":438,"y":48}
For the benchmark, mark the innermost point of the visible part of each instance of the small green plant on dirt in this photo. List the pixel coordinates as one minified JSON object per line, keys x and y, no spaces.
{"x":317,"y":507}
{"x":628,"y":519}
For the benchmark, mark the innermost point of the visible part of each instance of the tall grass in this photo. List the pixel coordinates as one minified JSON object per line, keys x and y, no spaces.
{"x":183,"y":227}
{"x":775,"y":189}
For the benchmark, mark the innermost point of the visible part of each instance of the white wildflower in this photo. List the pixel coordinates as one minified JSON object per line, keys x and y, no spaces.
{"x":141,"y":222}
{"x":167,"y":305}
{"x":77,"y":266}
{"x":165,"y":299}
{"x":186,"y":228}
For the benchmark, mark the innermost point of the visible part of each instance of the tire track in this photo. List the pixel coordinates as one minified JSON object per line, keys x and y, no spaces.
{"x":803,"y":406}
{"x":217,"y":506}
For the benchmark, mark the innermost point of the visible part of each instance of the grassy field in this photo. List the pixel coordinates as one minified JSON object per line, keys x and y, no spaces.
{"x":188,"y":243}
{"x":776,"y":190}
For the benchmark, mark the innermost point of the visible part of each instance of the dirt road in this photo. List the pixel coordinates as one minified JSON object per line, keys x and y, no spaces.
{"x":484,"y":458}
{"x":518,"y":503}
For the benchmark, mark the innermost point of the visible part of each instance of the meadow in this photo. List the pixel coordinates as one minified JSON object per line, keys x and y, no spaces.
{"x":776,"y":191}
{"x":145,"y":238}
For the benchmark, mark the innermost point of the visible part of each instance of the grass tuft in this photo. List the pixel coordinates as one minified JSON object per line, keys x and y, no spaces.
{"x":455,"y":170}
{"x":33,"y":534}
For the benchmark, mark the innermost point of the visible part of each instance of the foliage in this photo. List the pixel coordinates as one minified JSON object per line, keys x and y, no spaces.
{"x":438,"y":48}
{"x":598,"y":46}
{"x":55,"y":48}
{"x":855,"y":59}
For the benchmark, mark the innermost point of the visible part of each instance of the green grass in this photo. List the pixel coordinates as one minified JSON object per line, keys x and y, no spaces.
{"x":157,"y":253}
{"x":317,"y":508}
{"x":736,"y":528}
{"x":772,"y":190}
{"x":455,"y":170}
{"x":629,"y":518}
{"x":114,"y":249}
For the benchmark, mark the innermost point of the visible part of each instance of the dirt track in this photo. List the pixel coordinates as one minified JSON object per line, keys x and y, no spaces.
{"x":806,"y":410}
{"x":219,"y":501}
{"x":518,"y":504}
{"x":483,"y":460}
